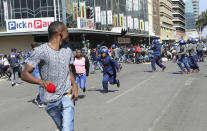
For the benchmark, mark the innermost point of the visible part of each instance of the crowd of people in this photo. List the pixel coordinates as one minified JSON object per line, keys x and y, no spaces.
{"x":138,"y":54}
{"x":54,"y":64}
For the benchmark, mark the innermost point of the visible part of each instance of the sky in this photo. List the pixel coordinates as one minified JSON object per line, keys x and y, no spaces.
{"x":203,"y":5}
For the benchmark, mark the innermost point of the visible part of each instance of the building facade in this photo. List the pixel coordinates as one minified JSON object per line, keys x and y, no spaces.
{"x":154,"y":17}
{"x":86,"y":19}
{"x":196,"y":9}
{"x":167,"y":31}
{"x":179,"y":18}
{"x":189,"y":16}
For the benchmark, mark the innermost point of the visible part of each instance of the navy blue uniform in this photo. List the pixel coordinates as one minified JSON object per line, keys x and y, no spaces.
{"x":157,"y":56}
{"x":110,"y":67}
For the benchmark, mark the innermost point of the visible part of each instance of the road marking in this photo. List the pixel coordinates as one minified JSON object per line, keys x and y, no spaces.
{"x":189,"y":81}
{"x":131,"y":89}
{"x":165,"y":109}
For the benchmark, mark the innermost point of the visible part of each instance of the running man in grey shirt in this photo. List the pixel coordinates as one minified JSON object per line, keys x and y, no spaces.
{"x":54,"y":66}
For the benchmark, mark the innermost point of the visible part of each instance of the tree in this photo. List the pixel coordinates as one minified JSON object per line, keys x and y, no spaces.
{"x":202,"y":20}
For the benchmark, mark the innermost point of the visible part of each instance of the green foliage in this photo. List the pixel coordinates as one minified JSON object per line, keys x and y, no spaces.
{"x":202,"y":20}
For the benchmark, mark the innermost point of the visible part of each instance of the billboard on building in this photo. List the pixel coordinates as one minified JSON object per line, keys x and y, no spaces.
{"x":146,"y":26}
{"x":75,"y":11}
{"x":136,"y":23}
{"x":110,"y":17}
{"x":83,"y":9}
{"x":6,"y":14}
{"x":85,"y":23}
{"x":115,"y":20}
{"x":28,"y":25}
{"x":129,"y":21}
{"x":103,"y":17}
{"x":121,"y":20}
{"x":141,"y":24}
{"x":98,"y":14}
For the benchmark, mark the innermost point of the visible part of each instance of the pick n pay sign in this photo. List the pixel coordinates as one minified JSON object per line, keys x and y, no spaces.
{"x":28,"y":25}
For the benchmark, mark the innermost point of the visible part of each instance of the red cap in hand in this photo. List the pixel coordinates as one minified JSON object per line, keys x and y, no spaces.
{"x":51,"y":88}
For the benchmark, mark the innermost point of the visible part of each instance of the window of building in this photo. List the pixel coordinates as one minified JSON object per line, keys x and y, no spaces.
{"x":36,"y":4}
{"x":23,"y":3}
{"x":16,"y":4}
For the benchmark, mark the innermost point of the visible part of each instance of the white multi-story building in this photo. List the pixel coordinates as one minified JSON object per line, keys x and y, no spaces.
{"x":196,"y":9}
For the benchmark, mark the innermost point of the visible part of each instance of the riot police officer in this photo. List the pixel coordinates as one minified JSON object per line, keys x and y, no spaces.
{"x":200,"y":47}
{"x":182,"y":57}
{"x":110,"y":67}
{"x":157,"y":56}
{"x":192,"y":55}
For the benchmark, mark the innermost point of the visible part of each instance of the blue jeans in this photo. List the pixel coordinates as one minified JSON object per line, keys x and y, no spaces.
{"x":193,"y":63}
{"x":37,"y":75}
{"x":183,"y":60}
{"x":1,"y":67}
{"x":81,"y":79}
{"x":14,"y":74}
{"x":62,"y":112}
{"x":200,"y":55}
{"x":123,"y":58}
{"x":156,"y":59}
{"x":93,"y":66}
{"x":108,"y":78}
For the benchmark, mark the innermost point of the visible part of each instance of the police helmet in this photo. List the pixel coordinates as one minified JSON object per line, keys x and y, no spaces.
{"x":104,"y":50}
{"x":113,"y":46}
{"x":98,"y":46}
{"x":191,"y":40}
{"x":182,"y":42}
{"x":156,"y":41}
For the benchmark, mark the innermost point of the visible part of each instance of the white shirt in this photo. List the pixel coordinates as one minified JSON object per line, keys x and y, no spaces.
{"x":5,"y":61}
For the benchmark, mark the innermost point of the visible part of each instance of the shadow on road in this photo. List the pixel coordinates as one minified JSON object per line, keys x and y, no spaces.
{"x":101,"y":91}
{"x":176,"y":73}
{"x":148,"y":71}
{"x":81,"y":96}
{"x":32,"y":101}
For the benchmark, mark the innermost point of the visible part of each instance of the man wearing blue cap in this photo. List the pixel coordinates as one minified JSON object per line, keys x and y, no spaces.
{"x":200,"y":53}
{"x":157,"y":56}
{"x":182,"y":57}
{"x":192,"y":55}
{"x":110,"y":67}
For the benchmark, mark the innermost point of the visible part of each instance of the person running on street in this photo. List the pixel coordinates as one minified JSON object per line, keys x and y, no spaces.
{"x":200,"y":52}
{"x":110,"y":67}
{"x":157,"y":56}
{"x":82,"y":66}
{"x":192,"y":55}
{"x":182,"y":57}
{"x":54,"y":63}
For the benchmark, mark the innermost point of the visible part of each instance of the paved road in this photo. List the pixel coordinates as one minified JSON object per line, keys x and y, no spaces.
{"x":162,"y":101}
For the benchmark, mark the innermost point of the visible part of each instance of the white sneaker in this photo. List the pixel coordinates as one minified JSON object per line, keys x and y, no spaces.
{"x":16,"y":84}
{"x":42,"y":105}
{"x":13,"y":84}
